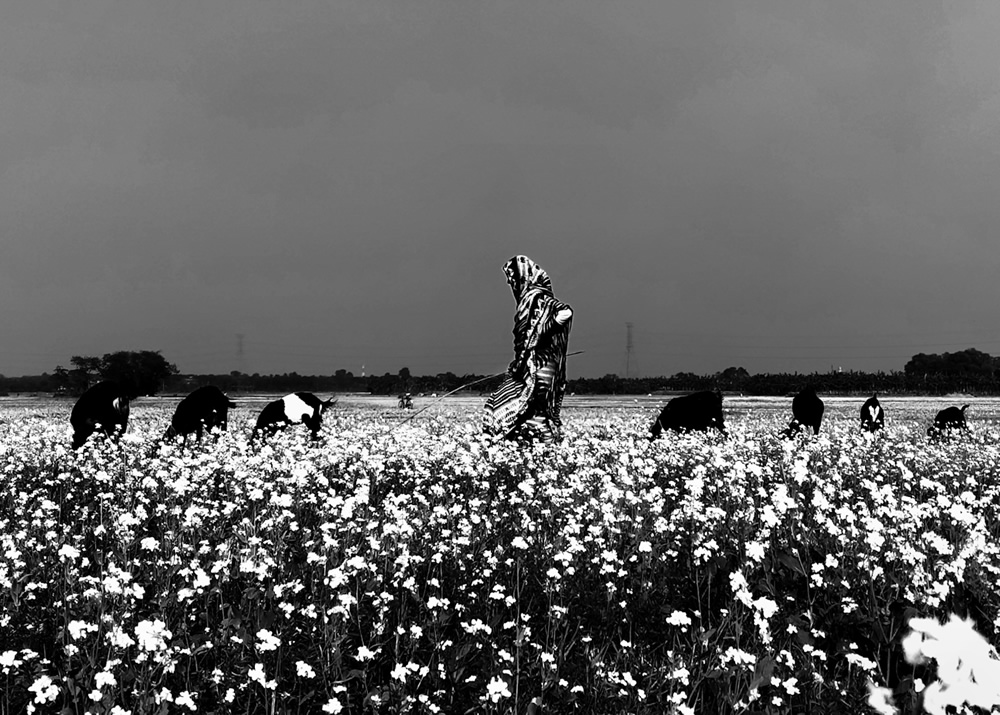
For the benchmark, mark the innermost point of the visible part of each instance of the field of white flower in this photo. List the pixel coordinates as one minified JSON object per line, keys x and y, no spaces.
{"x":421,"y":567}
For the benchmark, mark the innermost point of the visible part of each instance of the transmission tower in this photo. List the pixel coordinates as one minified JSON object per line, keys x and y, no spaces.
{"x":629,"y":351}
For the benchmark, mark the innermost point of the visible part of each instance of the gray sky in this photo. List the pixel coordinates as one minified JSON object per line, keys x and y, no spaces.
{"x":777,"y":184}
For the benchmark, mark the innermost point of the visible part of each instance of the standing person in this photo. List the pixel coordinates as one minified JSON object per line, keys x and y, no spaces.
{"x":529,"y":399}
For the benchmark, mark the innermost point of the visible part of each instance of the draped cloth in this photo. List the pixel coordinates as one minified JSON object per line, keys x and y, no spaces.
{"x":529,"y":400}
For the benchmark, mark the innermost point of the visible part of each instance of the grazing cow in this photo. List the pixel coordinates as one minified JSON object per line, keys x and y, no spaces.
{"x":948,"y":419}
{"x":807,"y":411}
{"x":697,"y":411}
{"x":872,"y":416}
{"x":103,"y":408}
{"x":204,"y":409}
{"x":296,"y":408}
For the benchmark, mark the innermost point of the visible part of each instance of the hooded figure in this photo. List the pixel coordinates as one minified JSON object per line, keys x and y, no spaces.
{"x":529,"y":399}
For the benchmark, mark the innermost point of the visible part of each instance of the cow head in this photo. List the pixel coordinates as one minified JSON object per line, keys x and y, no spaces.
{"x":120,"y":405}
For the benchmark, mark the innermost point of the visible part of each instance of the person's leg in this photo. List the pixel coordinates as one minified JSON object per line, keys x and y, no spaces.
{"x":540,"y":418}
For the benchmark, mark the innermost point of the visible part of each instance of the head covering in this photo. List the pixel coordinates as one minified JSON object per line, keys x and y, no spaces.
{"x":524,"y":275}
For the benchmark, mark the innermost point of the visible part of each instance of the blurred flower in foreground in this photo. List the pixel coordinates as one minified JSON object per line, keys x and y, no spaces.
{"x":968,"y":667}
{"x":880,"y":699}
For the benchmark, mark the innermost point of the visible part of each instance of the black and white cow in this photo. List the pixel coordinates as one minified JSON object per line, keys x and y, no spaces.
{"x":872,"y":416}
{"x":204,"y":409}
{"x":697,"y":411}
{"x":296,"y":408}
{"x":948,"y":419}
{"x":807,"y":411}
{"x":102,"y":408}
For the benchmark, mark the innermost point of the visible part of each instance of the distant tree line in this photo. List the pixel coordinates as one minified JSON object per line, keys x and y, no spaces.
{"x":969,"y":371}
{"x":142,"y":372}
{"x":148,"y":373}
{"x":762,"y":384}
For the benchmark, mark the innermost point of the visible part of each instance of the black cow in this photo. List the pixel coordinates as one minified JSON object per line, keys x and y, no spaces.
{"x":204,"y":409}
{"x":104,"y":408}
{"x":296,"y":408}
{"x":697,"y":411}
{"x":807,"y":411}
{"x":872,"y":416}
{"x":948,"y":419}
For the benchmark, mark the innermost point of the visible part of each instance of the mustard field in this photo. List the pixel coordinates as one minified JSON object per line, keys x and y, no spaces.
{"x":418,"y":567}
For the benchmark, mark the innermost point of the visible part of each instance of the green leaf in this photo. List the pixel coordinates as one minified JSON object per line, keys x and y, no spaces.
{"x":762,"y":672}
{"x":792,"y":562}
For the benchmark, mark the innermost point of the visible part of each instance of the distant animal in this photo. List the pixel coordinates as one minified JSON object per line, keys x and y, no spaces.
{"x":948,"y":419}
{"x":697,"y":411}
{"x":807,"y":411}
{"x":296,"y":408}
{"x":872,"y":416}
{"x":103,"y":408}
{"x":204,"y":409}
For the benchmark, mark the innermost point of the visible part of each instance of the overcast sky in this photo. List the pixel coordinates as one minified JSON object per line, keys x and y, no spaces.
{"x":777,"y":184}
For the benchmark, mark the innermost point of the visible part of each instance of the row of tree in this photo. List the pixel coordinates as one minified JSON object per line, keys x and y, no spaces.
{"x":143,"y":372}
{"x":833,"y":383}
{"x":147,"y":372}
{"x":968,"y":371}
